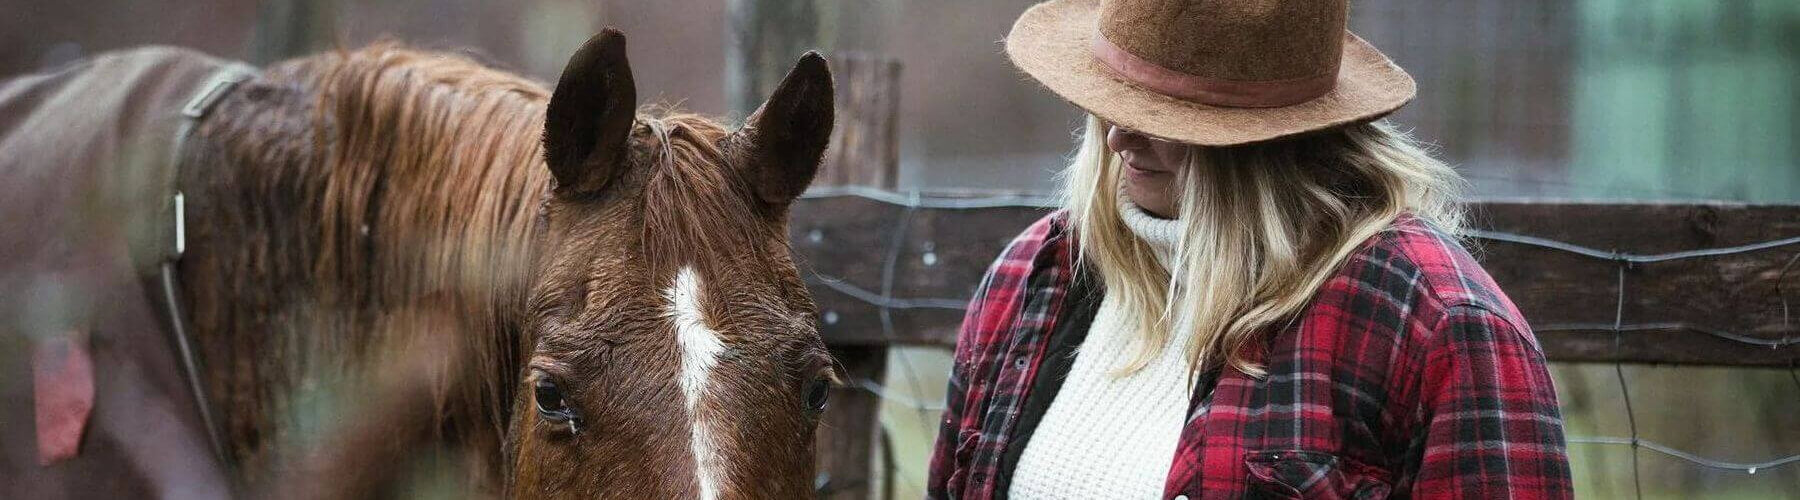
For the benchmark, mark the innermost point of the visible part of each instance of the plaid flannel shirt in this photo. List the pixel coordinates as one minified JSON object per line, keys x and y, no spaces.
{"x":1409,"y":375}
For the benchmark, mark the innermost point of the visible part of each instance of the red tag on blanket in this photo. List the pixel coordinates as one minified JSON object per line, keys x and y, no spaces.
{"x":62,"y":375}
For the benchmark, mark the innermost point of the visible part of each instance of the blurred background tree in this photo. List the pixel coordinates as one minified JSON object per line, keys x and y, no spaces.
{"x":764,"y":38}
{"x":287,"y":28}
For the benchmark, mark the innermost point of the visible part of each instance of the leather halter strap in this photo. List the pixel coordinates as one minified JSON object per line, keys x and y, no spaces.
{"x":196,"y":109}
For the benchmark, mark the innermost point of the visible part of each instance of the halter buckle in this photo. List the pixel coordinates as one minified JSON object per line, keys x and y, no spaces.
{"x":215,"y":90}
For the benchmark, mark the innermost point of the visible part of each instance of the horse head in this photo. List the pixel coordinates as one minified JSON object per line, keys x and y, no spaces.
{"x":671,"y":346}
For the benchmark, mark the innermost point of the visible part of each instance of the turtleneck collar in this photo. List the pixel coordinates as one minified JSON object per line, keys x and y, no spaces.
{"x":1161,"y":234}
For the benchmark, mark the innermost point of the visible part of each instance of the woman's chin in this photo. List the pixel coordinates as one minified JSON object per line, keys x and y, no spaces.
{"x":1152,"y":199}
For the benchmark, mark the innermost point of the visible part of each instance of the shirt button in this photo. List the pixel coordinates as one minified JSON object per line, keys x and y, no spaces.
{"x":1180,"y":497}
{"x":1020,"y":363}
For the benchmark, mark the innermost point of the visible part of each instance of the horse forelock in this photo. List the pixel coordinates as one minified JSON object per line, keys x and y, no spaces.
{"x":696,"y":210}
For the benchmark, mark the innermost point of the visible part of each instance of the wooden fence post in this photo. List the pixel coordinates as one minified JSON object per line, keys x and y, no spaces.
{"x":291,"y":28}
{"x":864,"y":152}
{"x":865,"y":145}
{"x":847,"y":434}
{"x":763,"y":37}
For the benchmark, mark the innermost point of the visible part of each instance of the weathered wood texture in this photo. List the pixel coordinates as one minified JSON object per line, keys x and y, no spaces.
{"x":1750,"y":293}
{"x":1570,"y":299}
{"x":864,"y":152}
{"x":847,"y":432}
{"x":865,"y":144}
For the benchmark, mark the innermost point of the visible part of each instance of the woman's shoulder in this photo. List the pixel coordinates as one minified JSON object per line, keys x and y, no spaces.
{"x":1050,"y":229}
{"x":1425,"y":271}
{"x":1037,"y":260}
{"x":1043,"y":243}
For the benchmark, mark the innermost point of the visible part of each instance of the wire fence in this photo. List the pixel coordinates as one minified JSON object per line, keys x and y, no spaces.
{"x":885,"y":302}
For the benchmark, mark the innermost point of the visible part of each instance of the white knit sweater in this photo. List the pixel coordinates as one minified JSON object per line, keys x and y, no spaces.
{"x":1106,"y":436}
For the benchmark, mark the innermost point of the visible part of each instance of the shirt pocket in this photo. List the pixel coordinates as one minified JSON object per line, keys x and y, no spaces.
{"x":1310,"y":474}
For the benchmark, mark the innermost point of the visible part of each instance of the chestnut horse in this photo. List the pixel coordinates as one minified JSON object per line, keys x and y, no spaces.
{"x":393,"y":254}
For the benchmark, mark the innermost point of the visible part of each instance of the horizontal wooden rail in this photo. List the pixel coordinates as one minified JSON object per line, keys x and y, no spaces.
{"x":1561,"y":262}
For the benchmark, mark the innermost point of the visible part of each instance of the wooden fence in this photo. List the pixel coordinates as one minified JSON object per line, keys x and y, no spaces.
{"x":1692,"y":283}
{"x":1702,"y":284}
{"x":1561,"y":262}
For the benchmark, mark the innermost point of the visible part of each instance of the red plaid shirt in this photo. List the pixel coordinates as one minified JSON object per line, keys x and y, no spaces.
{"x":1409,"y":375}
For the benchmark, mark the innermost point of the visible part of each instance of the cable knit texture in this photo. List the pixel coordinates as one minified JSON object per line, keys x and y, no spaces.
{"x":1106,"y":436}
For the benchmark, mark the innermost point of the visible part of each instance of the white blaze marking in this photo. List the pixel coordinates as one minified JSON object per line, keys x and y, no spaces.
{"x":700,"y":350}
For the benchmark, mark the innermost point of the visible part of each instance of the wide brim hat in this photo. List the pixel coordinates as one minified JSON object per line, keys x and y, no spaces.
{"x":1209,"y":73}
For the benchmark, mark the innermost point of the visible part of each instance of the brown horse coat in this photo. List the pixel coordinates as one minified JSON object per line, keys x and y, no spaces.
{"x":85,"y":172}
{"x":405,"y":265}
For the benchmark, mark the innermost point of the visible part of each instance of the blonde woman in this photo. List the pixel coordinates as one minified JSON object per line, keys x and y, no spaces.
{"x":1253,"y":288}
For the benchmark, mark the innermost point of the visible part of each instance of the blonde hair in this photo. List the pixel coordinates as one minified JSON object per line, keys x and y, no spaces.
{"x":1264,"y":226}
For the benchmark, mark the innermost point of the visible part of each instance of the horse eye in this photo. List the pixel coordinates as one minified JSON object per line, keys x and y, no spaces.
{"x":550,"y":402}
{"x":818,"y":392}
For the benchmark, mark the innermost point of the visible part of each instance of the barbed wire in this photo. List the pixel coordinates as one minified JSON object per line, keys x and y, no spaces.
{"x":884,"y":393}
{"x":1669,"y":325}
{"x":1747,"y":467}
{"x":886,"y":302}
{"x":877,"y":300}
{"x":942,"y":201}
{"x":1637,"y":484}
{"x":1630,"y":258}
{"x":888,"y":267}
{"x":1589,"y":187}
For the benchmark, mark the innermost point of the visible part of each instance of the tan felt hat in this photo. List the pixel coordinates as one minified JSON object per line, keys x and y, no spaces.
{"x":1210,"y":72}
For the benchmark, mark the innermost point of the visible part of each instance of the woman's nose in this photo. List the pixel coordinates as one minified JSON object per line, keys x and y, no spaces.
{"x":1120,"y":139}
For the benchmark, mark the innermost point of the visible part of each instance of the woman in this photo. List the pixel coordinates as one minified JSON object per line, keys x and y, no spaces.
{"x":1253,"y":288}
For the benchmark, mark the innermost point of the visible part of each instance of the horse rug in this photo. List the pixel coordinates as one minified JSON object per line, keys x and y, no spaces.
{"x":96,"y":404}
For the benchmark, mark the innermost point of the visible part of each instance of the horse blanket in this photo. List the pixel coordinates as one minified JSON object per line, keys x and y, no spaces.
{"x":95,"y":404}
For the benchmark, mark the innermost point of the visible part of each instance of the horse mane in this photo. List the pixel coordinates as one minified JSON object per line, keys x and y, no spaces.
{"x":402,"y":188}
{"x":694,"y":206}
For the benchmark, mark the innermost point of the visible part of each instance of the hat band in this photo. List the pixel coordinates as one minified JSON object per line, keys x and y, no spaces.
{"x":1211,"y":91}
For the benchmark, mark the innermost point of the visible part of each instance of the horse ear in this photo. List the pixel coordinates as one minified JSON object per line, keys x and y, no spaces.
{"x":590,"y":116}
{"x":784,"y":140}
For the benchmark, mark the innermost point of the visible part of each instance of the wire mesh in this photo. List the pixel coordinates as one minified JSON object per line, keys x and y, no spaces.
{"x":885,"y":301}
